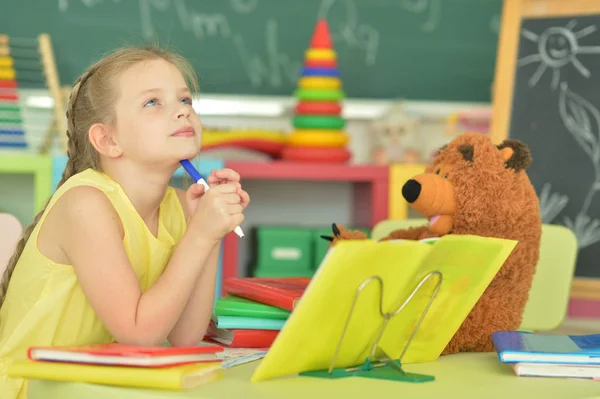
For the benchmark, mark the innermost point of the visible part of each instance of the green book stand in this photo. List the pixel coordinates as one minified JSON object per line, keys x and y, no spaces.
{"x":384,"y":368}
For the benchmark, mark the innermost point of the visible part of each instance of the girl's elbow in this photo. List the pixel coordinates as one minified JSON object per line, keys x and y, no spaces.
{"x":187,"y":338}
{"x":185,"y":341}
{"x":140,"y":338}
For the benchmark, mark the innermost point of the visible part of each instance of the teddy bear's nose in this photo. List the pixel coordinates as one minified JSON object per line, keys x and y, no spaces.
{"x":411,"y":190}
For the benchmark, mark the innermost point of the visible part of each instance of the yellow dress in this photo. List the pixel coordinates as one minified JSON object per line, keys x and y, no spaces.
{"x":45,"y":304}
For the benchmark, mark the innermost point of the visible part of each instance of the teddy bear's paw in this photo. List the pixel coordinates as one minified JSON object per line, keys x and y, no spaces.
{"x":411,"y":233}
{"x":342,"y":233}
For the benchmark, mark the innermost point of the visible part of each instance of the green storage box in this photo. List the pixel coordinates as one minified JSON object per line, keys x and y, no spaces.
{"x":284,"y":252}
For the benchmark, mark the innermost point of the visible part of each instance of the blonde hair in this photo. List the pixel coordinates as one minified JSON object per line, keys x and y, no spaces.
{"x":92,"y":101}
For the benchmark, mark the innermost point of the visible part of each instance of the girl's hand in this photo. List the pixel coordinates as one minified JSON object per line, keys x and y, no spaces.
{"x":218,"y":212}
{"x":224,"y":176}
{"x":192,"y":195}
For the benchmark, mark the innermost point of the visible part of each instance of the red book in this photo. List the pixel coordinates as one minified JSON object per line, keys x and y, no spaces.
{"x":239,"y":338}
{"x":126,"y":355}
{"x":281,"y":292}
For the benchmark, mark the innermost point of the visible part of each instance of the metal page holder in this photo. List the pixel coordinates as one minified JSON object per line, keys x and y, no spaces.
{"x":384,"y":368}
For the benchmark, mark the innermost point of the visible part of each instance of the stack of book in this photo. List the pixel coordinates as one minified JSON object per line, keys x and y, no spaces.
{"x":158,"y":367}
{"x":549,"y":355}
{"x":254,"y":310}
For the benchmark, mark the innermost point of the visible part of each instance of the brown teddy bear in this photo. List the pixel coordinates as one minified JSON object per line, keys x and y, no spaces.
{"x":475,"y":187}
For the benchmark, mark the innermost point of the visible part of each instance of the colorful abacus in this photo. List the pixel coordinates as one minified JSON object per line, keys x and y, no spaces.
{"x":28,"y":60}
{"x":12,"y":134}
{"x":319,"y":134}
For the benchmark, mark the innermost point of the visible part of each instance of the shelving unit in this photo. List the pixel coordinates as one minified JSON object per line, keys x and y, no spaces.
{"x":370,"y":192}
{"x":40,"y":166}
{"x":399,"y":174}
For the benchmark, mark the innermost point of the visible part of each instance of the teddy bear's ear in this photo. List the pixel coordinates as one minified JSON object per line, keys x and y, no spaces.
{"x":437,"y":152}
{"x":467,"y":152}
{"x":516,"y":154}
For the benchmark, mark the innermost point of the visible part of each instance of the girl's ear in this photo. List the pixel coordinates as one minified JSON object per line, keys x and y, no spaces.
{"x":100,"y":137}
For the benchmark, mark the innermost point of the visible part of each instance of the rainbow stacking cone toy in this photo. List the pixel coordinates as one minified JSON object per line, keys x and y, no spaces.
{"x":11,"y":121}
{"x":318,"y":134}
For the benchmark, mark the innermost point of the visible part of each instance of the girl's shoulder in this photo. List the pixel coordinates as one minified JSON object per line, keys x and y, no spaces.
{"x":85,"y":204}
{"x":86,"y":190}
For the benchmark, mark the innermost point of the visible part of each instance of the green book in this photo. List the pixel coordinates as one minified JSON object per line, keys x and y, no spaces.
{"x":231,"y":305}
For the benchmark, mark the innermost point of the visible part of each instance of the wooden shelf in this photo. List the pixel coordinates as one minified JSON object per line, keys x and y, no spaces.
{"x":370,"y":192}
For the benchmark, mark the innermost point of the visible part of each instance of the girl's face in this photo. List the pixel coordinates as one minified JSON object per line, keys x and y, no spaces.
{"x":156,"y":123}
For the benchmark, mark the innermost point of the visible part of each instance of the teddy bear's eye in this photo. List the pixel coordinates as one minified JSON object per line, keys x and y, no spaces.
{"x":437,"y":172}
{"x":446,"y":176}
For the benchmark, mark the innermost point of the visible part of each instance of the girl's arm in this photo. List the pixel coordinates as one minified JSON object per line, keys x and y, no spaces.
{"x":91,"y":237}
{"x":193,"y":323}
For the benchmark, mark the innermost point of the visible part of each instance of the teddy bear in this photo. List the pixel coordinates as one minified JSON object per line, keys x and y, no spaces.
{"x":475,"y":187}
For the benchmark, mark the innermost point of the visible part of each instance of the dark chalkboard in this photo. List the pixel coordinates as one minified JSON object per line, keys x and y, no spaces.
{"x":556,"y":111}
{"x":416,"y":49}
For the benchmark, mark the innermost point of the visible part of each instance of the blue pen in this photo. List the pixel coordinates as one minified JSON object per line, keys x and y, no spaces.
{"x":194,"y":174}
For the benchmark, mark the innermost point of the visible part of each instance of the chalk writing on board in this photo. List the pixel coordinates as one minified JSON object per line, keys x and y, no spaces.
{"x":558,"y":46}
{"x":202,"y":25}
{"x":349,"y":31}
{"x":495,"y":24}
{"x":432,"y":7}
{"x":276,"y":68}
{"x":63,"y":5}
{"x":582,"y":120}
{"x":551,"y":204}
{"x":243,"y":6}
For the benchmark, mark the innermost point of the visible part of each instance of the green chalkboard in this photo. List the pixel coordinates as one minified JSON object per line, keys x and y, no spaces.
{"x":415,"y":49}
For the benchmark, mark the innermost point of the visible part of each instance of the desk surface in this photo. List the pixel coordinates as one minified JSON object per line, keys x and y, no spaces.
{"x":478,"y":375}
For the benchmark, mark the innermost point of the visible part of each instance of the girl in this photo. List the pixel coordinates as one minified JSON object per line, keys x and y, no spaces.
{"x":117,"y":254}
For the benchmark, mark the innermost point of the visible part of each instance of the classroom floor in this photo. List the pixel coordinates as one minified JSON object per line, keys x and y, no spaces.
{"x":578,"y":327}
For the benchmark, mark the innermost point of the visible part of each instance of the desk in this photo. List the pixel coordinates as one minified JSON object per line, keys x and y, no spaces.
{"x":464,"y":376}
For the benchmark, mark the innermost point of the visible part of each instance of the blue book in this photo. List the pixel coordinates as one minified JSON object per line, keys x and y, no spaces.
{"x":528,"y":347}
{"x":247,"y":323}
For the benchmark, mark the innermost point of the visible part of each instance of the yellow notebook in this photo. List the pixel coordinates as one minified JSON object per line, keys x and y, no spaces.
{"x":309,"y":339}
{"x":171,"y":378}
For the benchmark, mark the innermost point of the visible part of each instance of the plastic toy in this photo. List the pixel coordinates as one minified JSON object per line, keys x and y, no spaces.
{"x":316,"y":154}
{"x":320,"y":54}
{"x":26,"y":60}
{"x":264,"y":141}
{"x":12,"y":134}
{"x":317,"y":137}
{"x":318,"y":121}
{"x":318,"y":108}
{"x":319,"y":95}
{"x":320,"y":82}
{"x":320,"y":71}
{"x":316,"y":63}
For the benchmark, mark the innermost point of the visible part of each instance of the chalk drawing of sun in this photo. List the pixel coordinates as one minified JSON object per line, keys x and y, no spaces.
{"x":558,"y":46}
